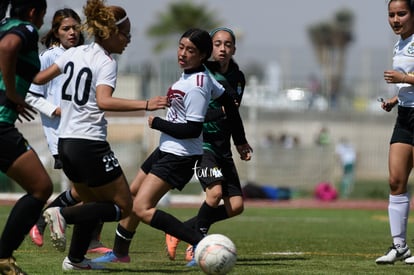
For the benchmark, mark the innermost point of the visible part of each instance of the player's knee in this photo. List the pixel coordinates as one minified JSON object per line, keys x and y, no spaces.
{"x":125,"y":210}
{"x":44,"y":190}
{"x":397,"y":185}
{"x":237,"y":210}
{"x":215,"y":196}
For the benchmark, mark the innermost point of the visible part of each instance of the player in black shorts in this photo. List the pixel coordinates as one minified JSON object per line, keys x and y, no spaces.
{"x":216,"y":172}
{"x":19,"y":62}
{"x":89,"y":78}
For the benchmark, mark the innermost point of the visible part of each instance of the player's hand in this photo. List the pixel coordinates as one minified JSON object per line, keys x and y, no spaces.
{"x":150,"y":119}
{"x":158,"y":102}
{"x":386,"y":105}
{"x":392,"y":76}
{"x":26,"y":112}
{"x":245,"y":151}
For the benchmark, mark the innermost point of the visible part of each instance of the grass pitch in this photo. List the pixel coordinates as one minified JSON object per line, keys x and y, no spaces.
{"x":268,"y":241}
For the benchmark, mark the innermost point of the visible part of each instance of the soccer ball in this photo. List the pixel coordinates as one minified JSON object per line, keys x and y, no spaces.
{"x":215,"y":254}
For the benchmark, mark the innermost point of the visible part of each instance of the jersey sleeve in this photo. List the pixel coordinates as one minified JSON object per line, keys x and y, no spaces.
{"x":217,"y":88}
{"x":107,"y":73}
{"x":28,"y":34}
{"x":45,"y":62}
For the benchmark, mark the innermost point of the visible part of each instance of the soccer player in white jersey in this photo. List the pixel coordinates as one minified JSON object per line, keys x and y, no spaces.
{"x":400,"y":159}
{"x":89,"y":81}
{"x":64,"y":34}
{"x":171,"y":165}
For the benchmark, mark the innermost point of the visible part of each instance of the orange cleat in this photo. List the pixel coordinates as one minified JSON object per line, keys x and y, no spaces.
{"x":36,"y":236}
{"x":171,"y":244}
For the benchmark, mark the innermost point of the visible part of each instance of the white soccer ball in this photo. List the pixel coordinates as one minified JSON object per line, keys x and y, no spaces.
{"x":216,"y":254}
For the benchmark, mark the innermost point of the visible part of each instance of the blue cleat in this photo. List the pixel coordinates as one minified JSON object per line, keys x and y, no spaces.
{"x":110,"y":257}
{"x":192,"y":262}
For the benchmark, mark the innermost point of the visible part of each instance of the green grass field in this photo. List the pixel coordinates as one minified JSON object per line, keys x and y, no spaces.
{"x":268,"y":240}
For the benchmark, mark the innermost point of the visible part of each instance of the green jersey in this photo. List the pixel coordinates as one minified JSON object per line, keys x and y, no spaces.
{"x":28,"y":64}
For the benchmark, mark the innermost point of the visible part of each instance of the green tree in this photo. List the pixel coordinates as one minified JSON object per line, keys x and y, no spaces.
{"x":330,"y":41}
{"x":179,"y":17}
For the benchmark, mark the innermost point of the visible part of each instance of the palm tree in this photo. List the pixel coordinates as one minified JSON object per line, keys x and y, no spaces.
{"x":179,"y":17}
{"x":330,"y":41}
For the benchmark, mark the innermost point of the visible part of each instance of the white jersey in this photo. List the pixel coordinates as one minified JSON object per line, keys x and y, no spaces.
{"x":46,"y":98}
{"x":403,"y":61}
{"x":84,"y":67}
{"x":189,"y":98}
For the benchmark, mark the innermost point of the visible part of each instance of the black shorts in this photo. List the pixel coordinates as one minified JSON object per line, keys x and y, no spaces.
{"x":177,"y":171}
{"x":212,"y":169}
{"x":88,"y":161}
{"x":12,"y":145}
{"x":404,"y":126}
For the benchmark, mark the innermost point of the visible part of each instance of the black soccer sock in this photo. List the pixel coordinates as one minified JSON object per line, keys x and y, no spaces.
{"x":91,"y":212}
{"x":219,"y":214}
{"x":21,"y":218}
{"x":81,"y":237}
{"x":191,"y":222}
{"x":171,"y":225}
{"x":96,"y":235}
{"x":122,"y":241}
{"x":64,"y":199}
{"x":208,"y":215}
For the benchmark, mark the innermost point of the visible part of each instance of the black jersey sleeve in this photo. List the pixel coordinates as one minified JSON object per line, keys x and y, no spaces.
{"x":233,"y":115}
{"x":28,"y":34}
{"x":191,"y":129}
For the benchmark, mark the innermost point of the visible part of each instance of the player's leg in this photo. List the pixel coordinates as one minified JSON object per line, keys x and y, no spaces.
{"x":400,"y":165}
{"x":28,"y":171}
{"x":125,"y":230}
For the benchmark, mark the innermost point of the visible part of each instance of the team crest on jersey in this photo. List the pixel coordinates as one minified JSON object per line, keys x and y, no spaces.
{"x":410,"y":49}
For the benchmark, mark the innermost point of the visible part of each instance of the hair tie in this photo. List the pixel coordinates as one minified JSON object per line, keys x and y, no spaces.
{"x":120,"y":21}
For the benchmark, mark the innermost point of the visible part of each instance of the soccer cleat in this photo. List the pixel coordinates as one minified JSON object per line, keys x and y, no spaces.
{"x":409,"y":260}
{"x":192,"y":261}
{"x":97,"y":247}
{"x":57,"y":225}
{"x":171,"y":244}
{"x":110,"y":257}
{"x":394,"y":254}
{"x":189,"y":253}
{"x":8,"y":266}
{"x":36,"y":236}
{"x":86,"y":264}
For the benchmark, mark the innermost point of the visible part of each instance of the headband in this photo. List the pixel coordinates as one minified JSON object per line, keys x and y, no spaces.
{"x":120,"y":21}
{"x":214,"y":31}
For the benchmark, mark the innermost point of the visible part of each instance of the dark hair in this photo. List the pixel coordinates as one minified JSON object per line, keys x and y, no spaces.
{"x":20,"y":8}
{"x":202,"y":40}
{"x":50,"y":39}
{"x":410,"y":3}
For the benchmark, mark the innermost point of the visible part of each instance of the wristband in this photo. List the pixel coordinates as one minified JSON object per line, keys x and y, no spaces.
{"x":146,"y":106}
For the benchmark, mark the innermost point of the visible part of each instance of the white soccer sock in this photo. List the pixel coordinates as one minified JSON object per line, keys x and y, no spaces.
{"x":398,"y":209}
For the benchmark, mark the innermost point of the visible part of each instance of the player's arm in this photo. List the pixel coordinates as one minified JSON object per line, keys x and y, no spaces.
{"x":191,"y":129}
{"x":42,"y":105}
{"x":236,"y":123}
{"x":46,"y":75}
{"x":107,"y":102}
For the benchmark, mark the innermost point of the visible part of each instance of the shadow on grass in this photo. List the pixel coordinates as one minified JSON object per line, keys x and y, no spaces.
{"x":267,"y":261}
{"x":146,"y":271}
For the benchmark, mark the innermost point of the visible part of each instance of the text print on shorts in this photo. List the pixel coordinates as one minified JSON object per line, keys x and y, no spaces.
{"x":207,"y":172}
{"x":110,"y":162}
